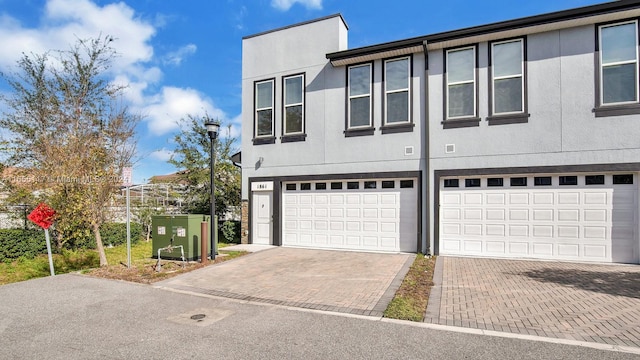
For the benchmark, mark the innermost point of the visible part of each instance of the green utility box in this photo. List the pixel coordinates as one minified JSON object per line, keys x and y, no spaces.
{"x":175,"y":230}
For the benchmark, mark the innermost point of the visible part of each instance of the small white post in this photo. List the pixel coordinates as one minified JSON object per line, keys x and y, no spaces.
{"x":46,"y":236}
{"x":128,"y":229}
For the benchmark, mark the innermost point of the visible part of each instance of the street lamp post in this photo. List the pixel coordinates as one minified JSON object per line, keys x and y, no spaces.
{"x":212,"y":130}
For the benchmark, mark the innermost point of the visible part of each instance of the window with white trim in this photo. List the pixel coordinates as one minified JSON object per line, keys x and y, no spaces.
{"x":359,"y":92}
{"x":264,"y":108}
{"x":396,"y":90}
{"x":618,"y":45}
{"x":293,"y":109}
{"x":461,"y":82}
{"x":507,"y":72}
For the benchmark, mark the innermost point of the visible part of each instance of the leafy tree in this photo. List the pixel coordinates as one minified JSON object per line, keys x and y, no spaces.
{"x":69,"y":134}
{"x":192,"y":154}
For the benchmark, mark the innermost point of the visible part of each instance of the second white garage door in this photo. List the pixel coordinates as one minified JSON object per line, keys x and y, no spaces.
{"x":562,"y":217}
{"x":372,"y":215}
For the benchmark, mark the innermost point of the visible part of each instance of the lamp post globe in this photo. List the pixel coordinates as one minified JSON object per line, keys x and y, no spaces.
{"x":212,"y":130}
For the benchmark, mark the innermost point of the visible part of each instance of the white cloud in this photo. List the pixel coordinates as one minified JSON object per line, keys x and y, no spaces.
{"x":161,"y":155}
{"x":65,"y":21}
{"x":284,"y":5}
{"x":165,"y":110}
{"x":176,"y":57}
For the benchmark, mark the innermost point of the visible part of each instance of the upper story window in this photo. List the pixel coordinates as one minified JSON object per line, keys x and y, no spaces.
{"x":619,"y":63}
{"x":507,"y":71}
{"x":264,"y":109}
{"x":461,"y":83}
{"x":618,"y":68}
{"x":396,"y":89}
{"x":359,"y":92}
{"x":293,"y":105}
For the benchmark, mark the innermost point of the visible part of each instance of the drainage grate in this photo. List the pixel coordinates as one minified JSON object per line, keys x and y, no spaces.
{"x":198,"y":317}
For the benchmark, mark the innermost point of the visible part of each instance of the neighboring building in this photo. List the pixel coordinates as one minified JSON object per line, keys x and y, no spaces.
{"x":518,"y":139}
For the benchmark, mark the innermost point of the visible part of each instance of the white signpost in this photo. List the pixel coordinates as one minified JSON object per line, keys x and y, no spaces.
{"x":127,"y":175}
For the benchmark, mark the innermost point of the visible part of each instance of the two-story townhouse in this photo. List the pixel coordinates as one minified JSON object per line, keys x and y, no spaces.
{"x":522,"y":138}
{"x":321,"y":168}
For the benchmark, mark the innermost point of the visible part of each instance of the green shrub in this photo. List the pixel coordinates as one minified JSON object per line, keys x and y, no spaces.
{"x":230,"y":231}
{"x":16,"y":243}
{"x":116,"y":233}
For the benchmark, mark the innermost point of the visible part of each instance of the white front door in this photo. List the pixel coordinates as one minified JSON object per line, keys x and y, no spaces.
{"x":262,"y":218}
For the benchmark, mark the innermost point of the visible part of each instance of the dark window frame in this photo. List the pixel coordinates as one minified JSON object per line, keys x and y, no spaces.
{"x":541,"y":181}
{"x":295,"y":136}
{"x":499,"y":182}
{"x":451,"y":183}
{"x":406,"y":184}
{"x":365,"y":129}
{"x":508,"y":117}
{"x":388,"y":184}
{"x":403,"y":126}
{"x":513,"y":181}
{"x":353,"y":185}
{"x":270,"y":138}
{"x":472,"y":182}
{"x":618,"y":179}
{"x":594,"y":180}
{"x":460,"y":121}
{"x":567,"y":180}
{"x":622,"y":108}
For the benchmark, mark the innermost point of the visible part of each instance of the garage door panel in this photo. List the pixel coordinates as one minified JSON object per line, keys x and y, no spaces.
{"x":495,"y":230}
{"x":542,"y":214}
{"x":569,"y":250}
{"x":518,"y":230}
{"x":569,"y":198}
{"x":571,"y":222}
{"x":543,"y":198}
{"x":543,"y":249}
{"x":472,"y":199}
{"x":569,"y":215}
{"x":472,"y":229}
{"x":496,"y":247}
{"x":495,"y":214}
{"x":496,"y":199}
{"x":518,"y":248}
{"x":519,"y":199}
{"x":472,"y":214}
{"x":473,"y":246}
{"x":381,"y":219}
{"x":595,"y":251}
{"x":572,"y":232}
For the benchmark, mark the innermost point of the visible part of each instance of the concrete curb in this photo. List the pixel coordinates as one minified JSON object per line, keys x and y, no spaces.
{"x":432,"y":313}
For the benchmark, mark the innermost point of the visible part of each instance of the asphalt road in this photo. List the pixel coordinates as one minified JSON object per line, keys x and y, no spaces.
{"x":78,"y":317}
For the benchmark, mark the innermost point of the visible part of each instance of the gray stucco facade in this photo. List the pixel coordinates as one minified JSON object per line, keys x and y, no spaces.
{"x":562,"y":129}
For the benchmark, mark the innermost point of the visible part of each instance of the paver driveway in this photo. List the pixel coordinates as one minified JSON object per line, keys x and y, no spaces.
{"x":585,"y":302}
{"x":341,"y":281}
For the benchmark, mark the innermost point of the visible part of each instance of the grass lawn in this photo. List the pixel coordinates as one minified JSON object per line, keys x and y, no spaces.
{"x":25,"y":269}
{"x":410,"y":301}
{"x":87,"y":261}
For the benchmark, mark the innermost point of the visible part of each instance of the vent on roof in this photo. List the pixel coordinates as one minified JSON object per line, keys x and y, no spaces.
{"x":449,"y":148}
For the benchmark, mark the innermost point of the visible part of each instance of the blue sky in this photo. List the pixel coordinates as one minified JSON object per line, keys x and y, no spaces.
{"x":182,"y":57}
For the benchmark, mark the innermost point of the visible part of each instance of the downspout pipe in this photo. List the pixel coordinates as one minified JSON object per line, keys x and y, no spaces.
{"x":425,"y":154}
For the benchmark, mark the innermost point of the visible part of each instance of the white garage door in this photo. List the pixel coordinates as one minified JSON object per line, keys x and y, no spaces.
{"x":567,"y":217}
{"x":376,"y":215}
